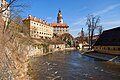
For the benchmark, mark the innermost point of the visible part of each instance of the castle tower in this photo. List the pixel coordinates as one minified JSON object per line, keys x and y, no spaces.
{"x":82,"y":33}
{"x":59,"y":18}
{"x":82,"y":36}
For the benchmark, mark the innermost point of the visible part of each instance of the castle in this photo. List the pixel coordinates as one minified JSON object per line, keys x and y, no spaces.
{"x":42,"y":29}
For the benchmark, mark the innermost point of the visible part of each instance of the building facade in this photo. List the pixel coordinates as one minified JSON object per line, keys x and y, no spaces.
{"x":6,"y":12}
{"x":38,"y":28}
{"x":60,"y":27}
{"x":109,"y":42}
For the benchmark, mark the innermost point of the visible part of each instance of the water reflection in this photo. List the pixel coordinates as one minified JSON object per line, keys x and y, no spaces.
{"x":72,"y":66}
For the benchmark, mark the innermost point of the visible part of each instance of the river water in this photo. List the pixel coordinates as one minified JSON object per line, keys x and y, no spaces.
{"x":71,"y":65}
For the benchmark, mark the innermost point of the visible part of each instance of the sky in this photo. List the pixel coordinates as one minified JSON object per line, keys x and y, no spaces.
{"x":75,"y":11}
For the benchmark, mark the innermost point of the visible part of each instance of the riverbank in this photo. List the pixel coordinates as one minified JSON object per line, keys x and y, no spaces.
{"x":57,"y":50}
{"x":102,"y":56}
{"x":60,"y":50}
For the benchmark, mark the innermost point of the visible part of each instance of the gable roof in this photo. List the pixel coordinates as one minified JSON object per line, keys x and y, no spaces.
{"x":109,"y":37}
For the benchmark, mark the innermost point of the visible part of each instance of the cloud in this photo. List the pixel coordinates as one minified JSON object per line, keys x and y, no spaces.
{"x":82,"y":21}
{"x":74,"y":30}
{"x":48,"y":18}
{"x":106,"y":10}
{"x":111,"y":23}
{"x":83,"y":8}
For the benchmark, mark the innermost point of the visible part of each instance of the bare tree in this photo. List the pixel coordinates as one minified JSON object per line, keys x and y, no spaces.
{"x":10,"y":2}
{"x":89,"y":28}
{"x":92,"y":23}
{"x":15,"y":7}
{"x":100,"y":29}
{"x":12,"y":45}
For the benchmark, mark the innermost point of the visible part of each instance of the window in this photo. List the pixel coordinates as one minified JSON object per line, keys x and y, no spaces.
{"x":118,"y":49}
{"x":5,"y":13}
{"x":113,"y":48}
{"x":108,"y":48}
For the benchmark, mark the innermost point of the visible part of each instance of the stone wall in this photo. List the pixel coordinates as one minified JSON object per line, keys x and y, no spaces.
{"x":56,"y":47}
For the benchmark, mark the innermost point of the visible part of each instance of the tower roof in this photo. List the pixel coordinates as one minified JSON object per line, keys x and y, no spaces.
{"x":60,"y":14}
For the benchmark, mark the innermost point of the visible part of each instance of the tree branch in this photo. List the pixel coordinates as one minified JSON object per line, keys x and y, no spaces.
{"x":10,"y":3}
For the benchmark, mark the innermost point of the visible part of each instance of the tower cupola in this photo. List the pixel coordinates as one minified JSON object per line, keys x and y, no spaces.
{"x":59,"y":18}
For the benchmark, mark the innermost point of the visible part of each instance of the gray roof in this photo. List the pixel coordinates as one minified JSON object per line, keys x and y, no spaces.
{"x":109,"y":37}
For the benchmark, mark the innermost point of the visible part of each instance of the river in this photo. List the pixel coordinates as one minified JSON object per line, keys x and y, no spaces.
{"x":71,"y":65}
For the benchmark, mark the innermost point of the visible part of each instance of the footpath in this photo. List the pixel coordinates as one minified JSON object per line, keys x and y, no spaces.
{"x":106,"y":57}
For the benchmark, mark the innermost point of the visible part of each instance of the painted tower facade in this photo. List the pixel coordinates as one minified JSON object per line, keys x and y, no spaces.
{"x":60,"y":27}
{"x":60,"y":18}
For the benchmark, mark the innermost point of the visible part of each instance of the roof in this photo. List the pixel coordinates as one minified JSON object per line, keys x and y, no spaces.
{"x":109,"y":37}
{"x":36,"y":20}
{"x":59,"y":25}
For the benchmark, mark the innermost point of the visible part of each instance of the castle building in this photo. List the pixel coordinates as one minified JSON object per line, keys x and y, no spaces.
{"x":109,"y":42}
{"x":42,"y":29}
{"x":5,"y":14}
{"x":60,"y":27}
{"x":38,"y":28}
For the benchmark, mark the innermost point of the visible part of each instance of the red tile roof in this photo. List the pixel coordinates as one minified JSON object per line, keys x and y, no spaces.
{"x":45,"y":22}
{"x":36,"y":20}
{"x":59,"y":25}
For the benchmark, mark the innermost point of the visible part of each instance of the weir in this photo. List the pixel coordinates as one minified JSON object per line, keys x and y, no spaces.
{"x":113,"y":58}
